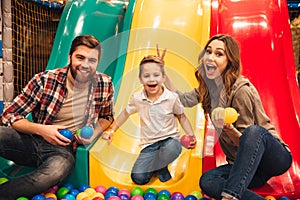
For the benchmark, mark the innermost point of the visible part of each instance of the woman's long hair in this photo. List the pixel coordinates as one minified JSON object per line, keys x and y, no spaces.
{"x":230,"y":74}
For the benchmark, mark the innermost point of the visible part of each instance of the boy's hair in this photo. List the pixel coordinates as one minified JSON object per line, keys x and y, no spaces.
{"x":152,"y":59}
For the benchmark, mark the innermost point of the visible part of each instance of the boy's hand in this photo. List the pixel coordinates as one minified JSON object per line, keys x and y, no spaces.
{"x":108,"y":135}
{"x":193,"y":143}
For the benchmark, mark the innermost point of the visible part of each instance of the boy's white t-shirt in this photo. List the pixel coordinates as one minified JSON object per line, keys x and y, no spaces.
{"x":157,"y":119}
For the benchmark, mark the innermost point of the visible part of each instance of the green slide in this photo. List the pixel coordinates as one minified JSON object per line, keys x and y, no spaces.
{"x":105,"y":20}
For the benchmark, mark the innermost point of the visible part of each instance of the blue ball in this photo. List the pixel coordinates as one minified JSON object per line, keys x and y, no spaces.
{"x":86,"y":132}
{"x":166,"y":192}
{"x":190,"y":197}
{"x":83,"y":187}
{"x":74,"y":192}
{"x":39,"y":197}
{"x":284,"y":198}
{"x":69,"y":197}
{"x":66,"y":133}
{"x":149,"y":196}
{"x":68,"y":185}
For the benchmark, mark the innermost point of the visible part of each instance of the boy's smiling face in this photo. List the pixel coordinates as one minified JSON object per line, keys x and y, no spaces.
{"x":152,"y":79}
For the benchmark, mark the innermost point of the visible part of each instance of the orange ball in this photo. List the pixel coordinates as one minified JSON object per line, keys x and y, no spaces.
{"x":270,"y":198}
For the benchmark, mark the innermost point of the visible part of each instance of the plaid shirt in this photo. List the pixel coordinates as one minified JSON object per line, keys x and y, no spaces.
{"x":45,"y":94}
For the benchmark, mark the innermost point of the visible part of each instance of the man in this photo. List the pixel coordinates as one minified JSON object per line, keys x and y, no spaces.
{"x":66,"y":98}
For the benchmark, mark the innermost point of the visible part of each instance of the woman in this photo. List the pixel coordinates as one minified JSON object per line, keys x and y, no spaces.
{"x":251,"y":144}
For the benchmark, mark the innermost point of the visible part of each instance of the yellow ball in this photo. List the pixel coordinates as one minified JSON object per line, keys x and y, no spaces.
{"x":90,"y":192}
{"x":219,"y":111}
{"x":98,"y":194}
{"x":230,"y":115}
{"x":81,"y":196}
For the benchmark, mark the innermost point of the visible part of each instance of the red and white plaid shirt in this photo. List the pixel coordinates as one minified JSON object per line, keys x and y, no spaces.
{"x":45,"y":93}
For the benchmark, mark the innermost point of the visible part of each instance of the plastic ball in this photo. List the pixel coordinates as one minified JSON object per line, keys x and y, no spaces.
{"x":137,"y":191}
{"x":90,"y":192}
{"x":74,"y":192}
{"x":163,"y":197}
{"x":114,"y":198}
{"x":83,"y":187}
{"x":68,"y":185}
{"x":86,"y":132}
{"x":66,"y":133}
{"x":284,"y":198}
{"x":149,"y":196}
{"x":124,"y":197}
{"x":197,"y":194}
{"x":230,"y":115}
{"x":124,"y":191}
{"x":186,"y":140}
{"x":190,"y":197}
{"x":97,"y":198}
{"x":137,"y":197}
{"x":78,"y":131}
{"x":218,"y":111}
{"x":50,"y":195}
{"x":39,"y":197}
{"x":61,"y":192}
{"x":177,"y":196}
{"x":166,"y":192}
{"x":22,"y":198}
{"x":270,"y":198}
{"x":3,"y":180}
{"x":81,"y":196}
{"x":109,"y":194}
{"x":98,"y":195}
{"x":151,"y":190}
{"x":69,"y":197}
{"x":101,"y":189}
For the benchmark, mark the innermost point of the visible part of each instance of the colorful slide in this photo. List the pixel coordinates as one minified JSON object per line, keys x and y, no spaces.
{"x":176,"y":26}
{"x":263,"y":31}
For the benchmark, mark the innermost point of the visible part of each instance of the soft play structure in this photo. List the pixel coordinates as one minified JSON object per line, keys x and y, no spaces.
{"x":130,"y":30}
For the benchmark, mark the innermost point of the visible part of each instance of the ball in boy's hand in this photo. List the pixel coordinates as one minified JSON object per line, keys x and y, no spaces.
{"x":186,"y":140}
{"x":66,"y":133}
{"x":86,"y":132}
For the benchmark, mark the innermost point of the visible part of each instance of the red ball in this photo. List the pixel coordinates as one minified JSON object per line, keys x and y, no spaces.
{"x":186,"y":140}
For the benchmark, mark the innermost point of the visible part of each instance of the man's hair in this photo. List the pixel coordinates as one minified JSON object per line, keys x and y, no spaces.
{"x":152,"y":59}
{"x":88,"y":41}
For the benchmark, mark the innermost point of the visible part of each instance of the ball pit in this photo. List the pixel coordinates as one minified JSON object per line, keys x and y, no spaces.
{"x":85,"y":192}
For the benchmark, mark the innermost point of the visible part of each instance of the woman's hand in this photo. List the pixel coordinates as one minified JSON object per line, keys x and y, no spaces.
{"x":162,"y":56}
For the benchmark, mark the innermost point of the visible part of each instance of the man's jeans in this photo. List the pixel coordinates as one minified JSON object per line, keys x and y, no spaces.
{"x":260,"y":156}
{"x":53,"y":163}
{"x":154,"y":158}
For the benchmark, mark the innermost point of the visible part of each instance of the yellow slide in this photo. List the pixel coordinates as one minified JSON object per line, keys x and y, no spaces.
{"x":182,"y":27}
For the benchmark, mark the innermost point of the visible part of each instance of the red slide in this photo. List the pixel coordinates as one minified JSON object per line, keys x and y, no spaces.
{"x":263,"y":32}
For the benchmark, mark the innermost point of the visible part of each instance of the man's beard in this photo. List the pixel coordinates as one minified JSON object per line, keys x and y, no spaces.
{"x":79,"y":79}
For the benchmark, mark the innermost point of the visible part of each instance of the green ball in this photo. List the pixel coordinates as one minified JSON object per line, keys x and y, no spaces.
{"x":78,"y":131}
{"x":151,"y":190}
{"x":163,"y":197}
{"x":3,"y":180}
{"x":62,"y":192}
{"x":197,"y":194}
{"x":137,"y":191}
{"x":22,"y":198}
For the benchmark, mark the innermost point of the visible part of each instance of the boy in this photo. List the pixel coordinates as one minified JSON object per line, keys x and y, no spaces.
{"x":158,"y":109}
